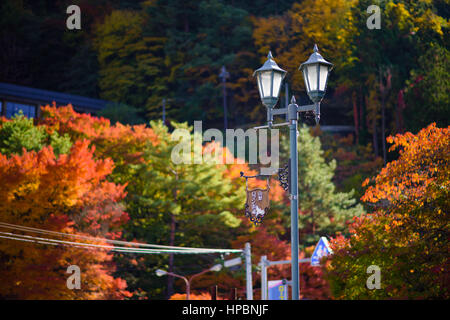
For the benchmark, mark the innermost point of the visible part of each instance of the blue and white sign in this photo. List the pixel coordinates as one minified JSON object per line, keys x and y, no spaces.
{"x":277,"y":290}
{"x":322,"y":249}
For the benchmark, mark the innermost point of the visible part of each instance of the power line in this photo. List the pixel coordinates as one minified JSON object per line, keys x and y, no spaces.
{"x":26,"y":238}
{"x":42,"y":231}
{"x":174,"y":250}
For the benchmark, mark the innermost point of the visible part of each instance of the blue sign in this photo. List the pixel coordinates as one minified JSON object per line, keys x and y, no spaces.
{"x":322,"y":249}
{"x":277,"y":290}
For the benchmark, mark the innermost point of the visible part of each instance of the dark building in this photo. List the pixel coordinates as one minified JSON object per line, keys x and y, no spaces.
{"x":343,"y":130}
{"x":14,"y":98}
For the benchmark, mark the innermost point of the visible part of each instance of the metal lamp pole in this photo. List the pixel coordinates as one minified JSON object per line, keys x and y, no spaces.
{"x":291,"y":112}
{"x":224,"y":75}
{"x":188,"y":282}
{"x":293,"y":123}
{"x":269,"y":77}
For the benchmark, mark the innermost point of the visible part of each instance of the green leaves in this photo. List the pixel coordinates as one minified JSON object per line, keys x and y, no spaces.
{"x":323,"y":210}
{"x":20,"y":133}
{"x":427,"y":93}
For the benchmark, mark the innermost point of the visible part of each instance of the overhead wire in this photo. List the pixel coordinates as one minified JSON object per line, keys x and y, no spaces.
{"x":42,"y":231}
{"x":123,"y":249}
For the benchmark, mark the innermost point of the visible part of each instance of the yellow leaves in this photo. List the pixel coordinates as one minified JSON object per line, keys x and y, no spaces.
{"x":291,"y":36}
{"x":399,"y":14}
{"x":433,"y":22}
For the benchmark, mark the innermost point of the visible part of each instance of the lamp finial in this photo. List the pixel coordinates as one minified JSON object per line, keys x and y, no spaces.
{"x":293,"y":101}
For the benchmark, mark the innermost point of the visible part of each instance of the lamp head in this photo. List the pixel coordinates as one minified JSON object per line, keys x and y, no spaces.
{"x":269,"y":78}
{"x":315,"y":73}
{"x":160,"y":272}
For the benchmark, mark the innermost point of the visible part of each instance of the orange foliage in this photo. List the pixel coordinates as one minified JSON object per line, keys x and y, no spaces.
{"x":419,"y":167}
{"x":123,"y":143}
{"x":200,"y":296}
{"x":64,"y":194}
{"x":407,"y":233}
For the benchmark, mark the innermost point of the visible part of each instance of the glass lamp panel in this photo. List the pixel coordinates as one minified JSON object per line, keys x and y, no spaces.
{"x":312,"y":76}
{"x":258,"y":80}
{"x":305,"y":77}
{"x":276,"y":84}
{"x":323,"y":77}
{"x":266,"y":81}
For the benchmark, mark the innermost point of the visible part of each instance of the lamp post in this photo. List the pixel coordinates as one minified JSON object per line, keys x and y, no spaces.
{"x":188,"y":281}
{"x":224,"y":75}
{"x":269,"y":77}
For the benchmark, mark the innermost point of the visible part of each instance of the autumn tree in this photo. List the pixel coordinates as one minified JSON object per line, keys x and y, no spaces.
{"x":122,"y":143}
{"x":370,"y":74}
{"x":377,"y":72}
{"x":291,"y":36}
{"x":185,"y":203}
{"x":69,"y":194}
{"x":131,"y":63}
{"x":406,"y":234}
{"x":182,"y":204}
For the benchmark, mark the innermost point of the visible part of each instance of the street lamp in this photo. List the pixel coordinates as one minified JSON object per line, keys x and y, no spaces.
{"x":224,"y":75}
{"x":315,"y":73}
{"x":188,"y":281}
{"x":269,"y":77}
{"x":160,"y":272}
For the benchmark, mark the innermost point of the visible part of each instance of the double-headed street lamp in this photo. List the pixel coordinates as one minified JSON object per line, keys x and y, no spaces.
{"x":188,"y":281}
{"x":269,"y":78}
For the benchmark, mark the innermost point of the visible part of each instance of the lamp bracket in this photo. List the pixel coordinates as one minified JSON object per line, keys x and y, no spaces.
{"x":306,"y":108}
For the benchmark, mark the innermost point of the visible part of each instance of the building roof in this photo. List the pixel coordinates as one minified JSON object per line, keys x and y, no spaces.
{"x":46,"y":96}
{"x":338,"y":129}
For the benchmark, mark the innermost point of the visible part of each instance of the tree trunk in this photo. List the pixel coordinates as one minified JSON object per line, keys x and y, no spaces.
{"x":399,"y":112}
{"x":384,"y":92}
{"x":363,"y":126}
{"x":383,"y":129}
{"x":374,"y":137}
{"x":355,"y":116}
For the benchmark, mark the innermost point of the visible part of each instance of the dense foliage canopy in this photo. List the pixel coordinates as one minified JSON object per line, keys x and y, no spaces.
{"x":407,"y":233}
